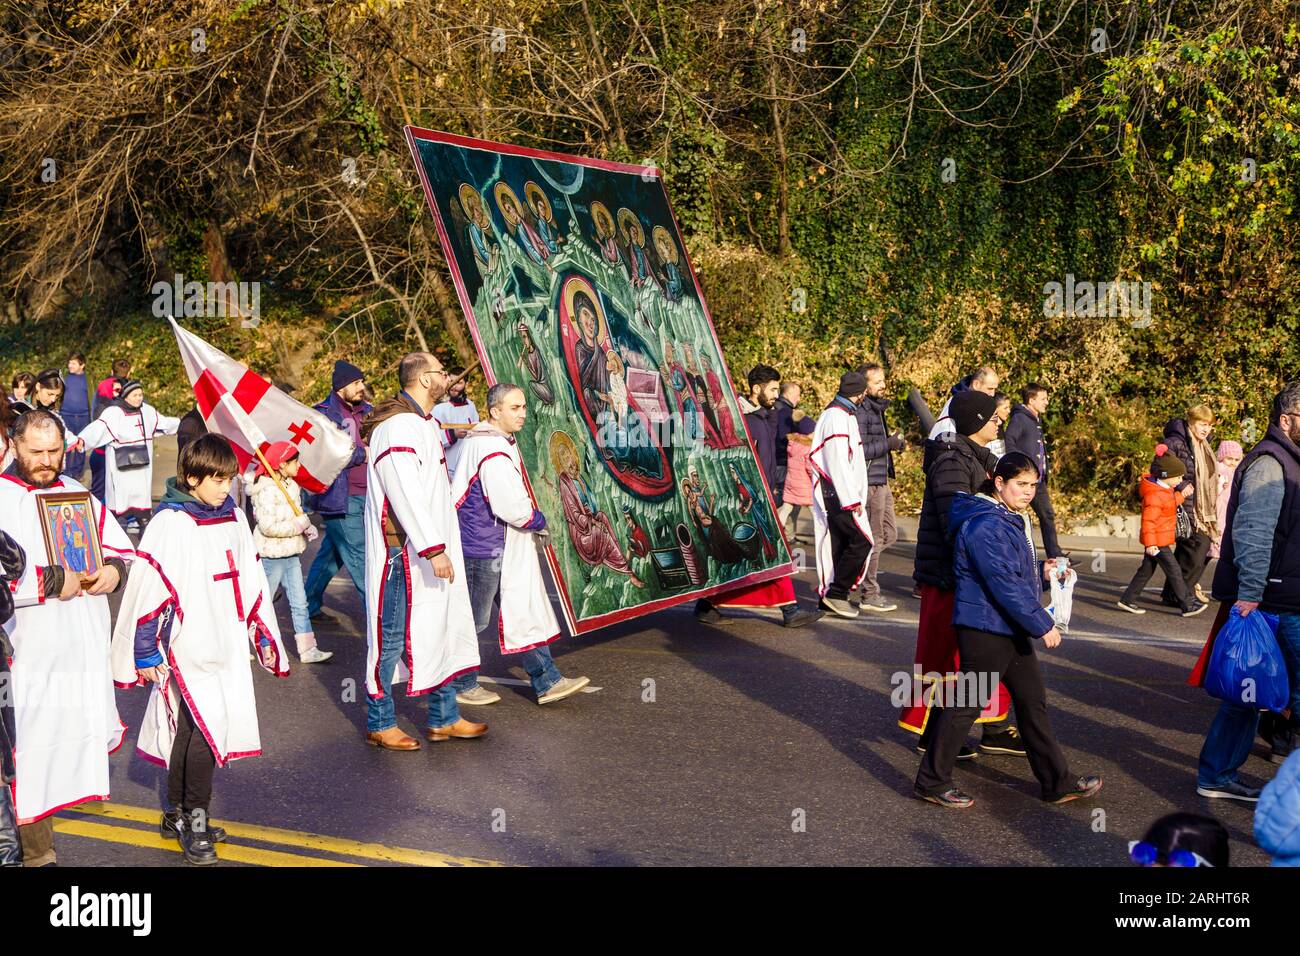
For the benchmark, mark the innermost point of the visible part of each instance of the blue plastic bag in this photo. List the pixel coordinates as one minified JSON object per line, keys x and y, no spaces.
{"x":1246,"y":665}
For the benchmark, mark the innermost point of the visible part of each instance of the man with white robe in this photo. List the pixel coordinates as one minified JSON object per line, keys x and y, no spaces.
{"x":65,"y":715}
{"x":456,"y":408}
{"x":197,"y":603}
{"x":843,"y":533}
{"x":500,"y":531}
{"x":419,"y":624}
{"x":128,"y":426}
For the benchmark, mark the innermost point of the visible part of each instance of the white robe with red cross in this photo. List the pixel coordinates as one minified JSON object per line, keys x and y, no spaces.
{"x":407,"y":479}
{"x":489,"y":464}
{"x":65,"y":714}
{"x":127,"y":490}
{"x":837,"y":461}
{"x":199,"y":588}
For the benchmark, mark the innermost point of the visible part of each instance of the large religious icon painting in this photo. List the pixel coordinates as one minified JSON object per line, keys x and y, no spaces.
{"x":71,"y":533}
{"x":577,"y":287}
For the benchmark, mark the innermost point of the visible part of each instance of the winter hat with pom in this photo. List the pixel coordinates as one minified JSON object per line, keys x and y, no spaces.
{"x":1167,"y":465}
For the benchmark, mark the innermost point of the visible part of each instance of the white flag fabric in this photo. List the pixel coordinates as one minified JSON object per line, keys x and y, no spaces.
{"x":251,"y":413}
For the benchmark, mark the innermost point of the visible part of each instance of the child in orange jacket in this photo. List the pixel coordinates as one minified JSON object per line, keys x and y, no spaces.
{"x":1160,"y":503}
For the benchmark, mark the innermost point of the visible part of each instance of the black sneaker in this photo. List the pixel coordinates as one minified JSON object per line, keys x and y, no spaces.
{"x":1195,"y":608}
{"x":706,"y":613}
{"x":802,"y":616}
{"x":1003,"y":742}
{"x":172,"y":823}
{"x":964,"y":754}
{"x":952,"y":798}
{"x":197,"y":847}
{"x":1232,"y":790}
{"x":1084,"y":787}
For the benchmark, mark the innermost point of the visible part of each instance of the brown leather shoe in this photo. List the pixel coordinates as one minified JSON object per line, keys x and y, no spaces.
{"x":391,"y":739}
{"x":462,"y":729}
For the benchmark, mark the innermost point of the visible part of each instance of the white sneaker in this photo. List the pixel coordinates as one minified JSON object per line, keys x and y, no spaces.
{"x":314,"y":655}
{"x":1131,"y":608}
{"x":564,"y":687}
{"x":477,"y":695}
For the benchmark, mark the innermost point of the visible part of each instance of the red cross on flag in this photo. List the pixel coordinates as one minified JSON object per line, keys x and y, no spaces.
{"x":251,"y":413}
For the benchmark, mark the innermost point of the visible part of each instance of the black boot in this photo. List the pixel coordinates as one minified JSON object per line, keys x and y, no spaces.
{"x":196,"y":845}
{"x":172,"y":824}
{"x":706,"y":613}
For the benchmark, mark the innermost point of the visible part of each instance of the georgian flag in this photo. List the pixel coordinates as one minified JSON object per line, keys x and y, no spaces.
{"x":251,"y":413}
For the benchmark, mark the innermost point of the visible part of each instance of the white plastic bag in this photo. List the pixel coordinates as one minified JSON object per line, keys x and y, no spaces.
{"x":1062,"y":579}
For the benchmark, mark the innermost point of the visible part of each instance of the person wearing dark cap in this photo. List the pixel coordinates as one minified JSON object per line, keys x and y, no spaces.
{"x":843,"y":532}
{"x":960,"y":464}
{"x":1161,"y":501}
{"x":127,"y":428}
{"x":343,"y":505}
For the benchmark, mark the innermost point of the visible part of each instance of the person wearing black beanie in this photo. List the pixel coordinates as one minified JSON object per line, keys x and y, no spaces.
{"x":960,"y":464}
{"x":342,"y":506}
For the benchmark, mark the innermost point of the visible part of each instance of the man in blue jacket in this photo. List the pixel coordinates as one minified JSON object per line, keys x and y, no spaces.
{"x":343,"y":505}
{"x":1025,"y":435}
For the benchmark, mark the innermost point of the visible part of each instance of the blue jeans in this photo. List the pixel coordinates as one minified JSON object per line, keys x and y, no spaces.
{"x":289,"y":571}
{"x":483,"y":575}
{"x":1227,"y":745}
{"x":381,"y":714}
{"x":344,"y":545}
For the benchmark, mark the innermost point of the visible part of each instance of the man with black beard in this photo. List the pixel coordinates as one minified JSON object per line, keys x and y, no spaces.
{"x":65,"y":714}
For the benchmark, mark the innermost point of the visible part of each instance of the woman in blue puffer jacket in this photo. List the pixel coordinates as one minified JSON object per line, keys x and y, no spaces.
{"x":997,"y":617}
{"x":1277,"y":816}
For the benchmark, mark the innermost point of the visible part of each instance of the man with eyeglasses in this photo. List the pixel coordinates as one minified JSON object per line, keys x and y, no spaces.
{"x":419,"y":621}
{"x":960,"y":464}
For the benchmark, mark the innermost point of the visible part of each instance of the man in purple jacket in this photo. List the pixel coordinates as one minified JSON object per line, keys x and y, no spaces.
{"x":343,"y":505}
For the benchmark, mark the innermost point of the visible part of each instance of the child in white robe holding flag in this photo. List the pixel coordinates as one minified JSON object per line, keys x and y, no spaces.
{"x":196,"y":603}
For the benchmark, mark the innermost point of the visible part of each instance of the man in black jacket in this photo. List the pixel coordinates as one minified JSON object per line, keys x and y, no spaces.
{"x":878,"y":447}
{"x":1025,"y":435}
{"x":960,"y":465}
{"x":13,"y":562}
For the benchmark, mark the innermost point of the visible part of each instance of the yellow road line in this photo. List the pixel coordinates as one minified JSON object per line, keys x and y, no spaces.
{"x":295,"y":838}
{"x":155,"y":841}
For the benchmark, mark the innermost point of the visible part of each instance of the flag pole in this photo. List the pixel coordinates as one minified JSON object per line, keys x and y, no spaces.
{"x":278,"y":483}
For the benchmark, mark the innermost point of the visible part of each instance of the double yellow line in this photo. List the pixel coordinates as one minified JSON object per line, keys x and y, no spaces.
{"x":239,"y":853}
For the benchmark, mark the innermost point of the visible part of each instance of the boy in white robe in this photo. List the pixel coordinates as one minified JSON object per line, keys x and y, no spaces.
{"x":196,"y":602}
{"x":455,"y":409}
{"x":65,"y":715}
{"x":500,"y":531}
{"x":419,"y":625}
{"x":843,"y":533}
{"x":128,"y":427}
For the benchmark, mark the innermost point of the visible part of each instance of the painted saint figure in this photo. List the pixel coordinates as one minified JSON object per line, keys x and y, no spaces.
{"x":73,"y":540}
{"x":606,"y":234}
{"x":751,"y":507}
{"x":543,"y":218}
{"x":521,"y":228}
{"x":487,"y":254}
{"x":638,"y":263}
{"x":718,"y":399}
{"x":702,"y":505}
{"x":531,"y":364}
{"x":670,"y":258}
{"x":590,"y":529}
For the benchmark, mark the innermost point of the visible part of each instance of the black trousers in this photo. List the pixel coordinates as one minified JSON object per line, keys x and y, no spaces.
{"x":1042,"y":505}
{"x":1173,"y":579}
{"x":1192,"y":554}
{"x":1012,"y":661}
{"x":189,"y":774}
{"x":849,"y":550}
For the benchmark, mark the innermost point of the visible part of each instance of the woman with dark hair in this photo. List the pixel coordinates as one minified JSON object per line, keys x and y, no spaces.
{"x":1182,"y":839}
{"x":8,"y":415}
{"x":997,"y":615}
{"x":22,"y":391}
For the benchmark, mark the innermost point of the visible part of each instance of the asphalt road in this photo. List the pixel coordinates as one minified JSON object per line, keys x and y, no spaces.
{"x":737,"y":744}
